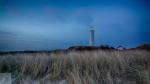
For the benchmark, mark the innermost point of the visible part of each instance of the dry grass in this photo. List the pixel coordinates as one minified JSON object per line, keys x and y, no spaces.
{"x":94,"y":67}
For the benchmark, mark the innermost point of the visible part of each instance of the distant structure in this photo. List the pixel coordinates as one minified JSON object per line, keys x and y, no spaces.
{"x":92,"y":39}
{"x":120,"y":47}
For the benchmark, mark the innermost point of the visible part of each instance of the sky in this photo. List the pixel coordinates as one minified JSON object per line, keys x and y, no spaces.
{"x":58,"y":24}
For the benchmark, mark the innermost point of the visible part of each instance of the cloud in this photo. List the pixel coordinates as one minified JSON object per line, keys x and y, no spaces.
{"x":5,"y":33}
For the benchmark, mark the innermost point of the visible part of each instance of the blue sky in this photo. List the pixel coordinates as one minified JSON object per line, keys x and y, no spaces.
{"x":54,"y":24}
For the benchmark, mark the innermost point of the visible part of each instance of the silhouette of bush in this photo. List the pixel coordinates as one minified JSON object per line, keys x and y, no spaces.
{"x":144,"y":46}
{"x":90,"y":48}
{"x":106,"y":47}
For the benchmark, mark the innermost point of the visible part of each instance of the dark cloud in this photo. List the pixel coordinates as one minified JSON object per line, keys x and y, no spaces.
{"x":145,"y":2}
{"x":7,"y":33}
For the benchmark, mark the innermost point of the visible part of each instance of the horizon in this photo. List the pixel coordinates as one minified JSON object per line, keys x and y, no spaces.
{"x":59,"y":24}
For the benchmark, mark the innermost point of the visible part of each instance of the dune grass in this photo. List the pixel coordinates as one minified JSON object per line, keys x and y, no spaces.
{"x":86,"y":67}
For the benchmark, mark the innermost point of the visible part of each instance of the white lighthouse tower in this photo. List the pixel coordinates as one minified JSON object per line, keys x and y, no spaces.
{"x":92,"y":39}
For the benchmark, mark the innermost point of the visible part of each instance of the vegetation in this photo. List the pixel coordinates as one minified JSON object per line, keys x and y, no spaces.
{"x":86,"y":67}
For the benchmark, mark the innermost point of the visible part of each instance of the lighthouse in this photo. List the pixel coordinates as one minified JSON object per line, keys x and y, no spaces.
{"x":91,"y":39}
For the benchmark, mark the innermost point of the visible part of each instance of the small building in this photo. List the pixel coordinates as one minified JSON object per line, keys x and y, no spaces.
{"x":120,"y":47}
